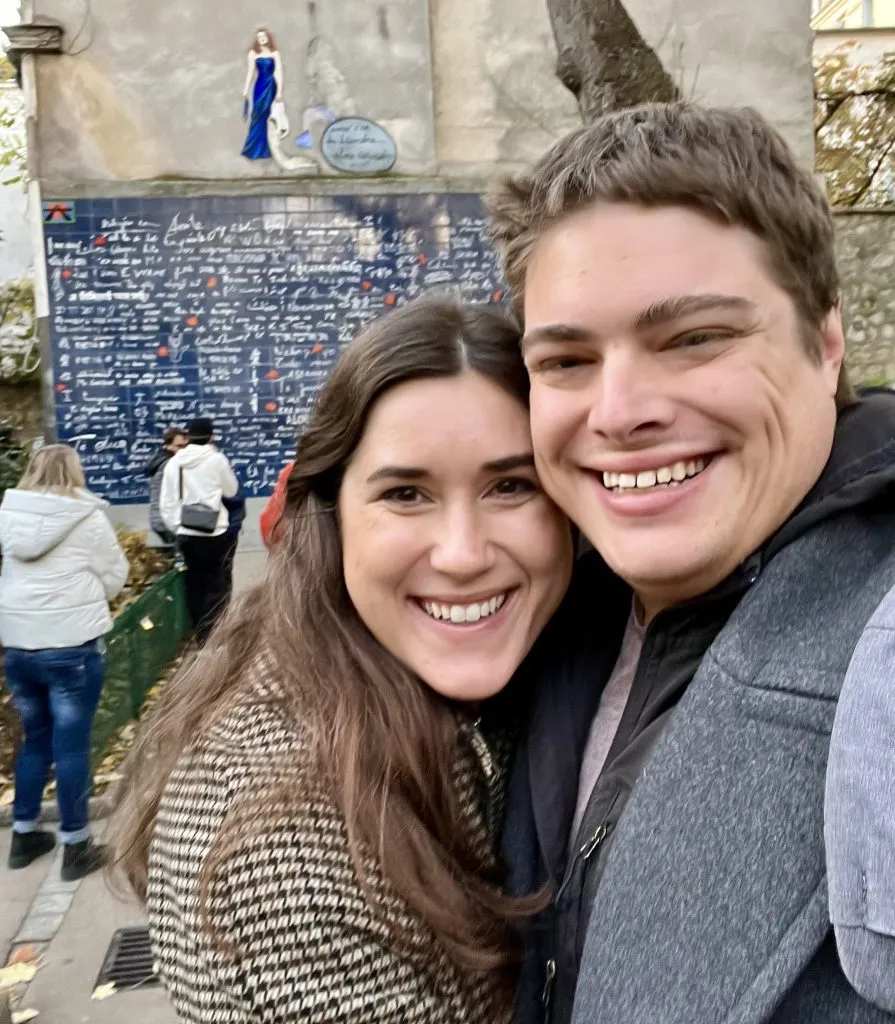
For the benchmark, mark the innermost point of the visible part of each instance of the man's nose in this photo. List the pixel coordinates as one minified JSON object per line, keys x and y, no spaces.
{"x":631,"y":398}
{"x":463,"y":545}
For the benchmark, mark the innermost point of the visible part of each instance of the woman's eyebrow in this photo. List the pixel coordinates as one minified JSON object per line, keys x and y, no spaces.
{"x":525,"y":460}
{"x":397,"y":472}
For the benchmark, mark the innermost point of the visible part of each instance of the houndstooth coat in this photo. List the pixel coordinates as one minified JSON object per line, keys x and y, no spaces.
{"x":309,"y":948}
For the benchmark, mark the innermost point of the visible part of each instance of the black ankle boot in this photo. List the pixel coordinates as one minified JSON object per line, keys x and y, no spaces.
{"x":28,"y":846}
{"x":80,"y":859}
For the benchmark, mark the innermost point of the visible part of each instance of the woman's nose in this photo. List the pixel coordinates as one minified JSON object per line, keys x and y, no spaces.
{"x":462,"y":546}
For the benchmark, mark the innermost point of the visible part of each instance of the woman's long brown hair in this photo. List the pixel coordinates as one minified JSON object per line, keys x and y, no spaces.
{"x":383,"y":742}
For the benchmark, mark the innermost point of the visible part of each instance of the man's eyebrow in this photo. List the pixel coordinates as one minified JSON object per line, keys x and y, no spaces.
{"x":662,"y":312}
{"x":667,"y":310}
{"x":558,"y":333}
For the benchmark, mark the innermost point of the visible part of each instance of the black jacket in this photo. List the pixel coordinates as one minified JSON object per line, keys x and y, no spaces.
{"x":157,"y":462}
{"x":581,"y":649}
{"x":155,"y":472}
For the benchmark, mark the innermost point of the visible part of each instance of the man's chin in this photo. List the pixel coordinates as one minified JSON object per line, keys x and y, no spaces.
{"x":659,"y":571}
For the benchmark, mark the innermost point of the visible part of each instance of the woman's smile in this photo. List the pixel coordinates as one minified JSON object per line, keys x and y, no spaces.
{"x":454,"y":557}
{"x":463,"y":612}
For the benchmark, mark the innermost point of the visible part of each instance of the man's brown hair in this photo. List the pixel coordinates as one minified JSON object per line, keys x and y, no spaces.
{"x":728,"y":164}
{"x":172,"y":433}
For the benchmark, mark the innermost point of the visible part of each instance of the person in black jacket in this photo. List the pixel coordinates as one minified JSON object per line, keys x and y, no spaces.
{"x":173,"y":439}
{"x":692,"y":414}
{"x":236,"y":510}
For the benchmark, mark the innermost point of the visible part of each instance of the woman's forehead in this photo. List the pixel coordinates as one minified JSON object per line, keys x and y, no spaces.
{"x":443,"y":424}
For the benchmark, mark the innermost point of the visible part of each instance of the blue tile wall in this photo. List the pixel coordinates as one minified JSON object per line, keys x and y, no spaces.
{"x":164,"y":309}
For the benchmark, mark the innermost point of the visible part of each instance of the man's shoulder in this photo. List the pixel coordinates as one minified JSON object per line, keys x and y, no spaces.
{"x":884,"y":616}
{"x":800,"y":622}
{"x":219,"y":459}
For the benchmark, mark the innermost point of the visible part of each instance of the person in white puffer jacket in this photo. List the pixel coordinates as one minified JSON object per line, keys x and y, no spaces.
{"x":62,"y":564}
{"x":201,"y":475}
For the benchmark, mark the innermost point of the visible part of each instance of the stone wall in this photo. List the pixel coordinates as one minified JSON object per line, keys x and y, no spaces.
{"x":866,"y":249}
{"x":20,"y":406}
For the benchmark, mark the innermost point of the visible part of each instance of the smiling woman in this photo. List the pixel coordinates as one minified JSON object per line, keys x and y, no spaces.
{"x":312,"y":816}
{"x":444,"y":530}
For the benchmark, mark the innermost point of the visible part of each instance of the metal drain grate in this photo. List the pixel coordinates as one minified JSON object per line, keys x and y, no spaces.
{"x":128,"y":961}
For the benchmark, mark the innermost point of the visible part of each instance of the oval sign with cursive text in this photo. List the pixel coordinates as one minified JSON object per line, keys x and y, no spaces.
{"x":355,"y":145}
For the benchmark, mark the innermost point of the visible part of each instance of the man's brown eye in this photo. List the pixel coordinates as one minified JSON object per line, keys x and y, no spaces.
{"x":559,"y":363}
{"x":700,"y":338}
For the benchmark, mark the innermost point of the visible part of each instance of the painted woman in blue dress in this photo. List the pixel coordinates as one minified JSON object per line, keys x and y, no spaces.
{"x":265,"y":69}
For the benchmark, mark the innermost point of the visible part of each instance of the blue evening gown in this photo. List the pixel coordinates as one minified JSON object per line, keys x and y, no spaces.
{"x":256,"y":147}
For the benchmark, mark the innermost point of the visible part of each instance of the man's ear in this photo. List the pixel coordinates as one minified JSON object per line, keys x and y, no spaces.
{"x":832,"y":345}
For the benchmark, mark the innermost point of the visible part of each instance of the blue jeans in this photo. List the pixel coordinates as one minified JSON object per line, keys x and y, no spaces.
{"x":55,"y":692}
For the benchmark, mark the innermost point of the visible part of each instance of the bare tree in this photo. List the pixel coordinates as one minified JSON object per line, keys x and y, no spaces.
{"x":603,"y":59}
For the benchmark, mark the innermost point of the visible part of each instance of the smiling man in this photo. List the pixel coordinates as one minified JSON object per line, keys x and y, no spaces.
{"x":690,"y":411}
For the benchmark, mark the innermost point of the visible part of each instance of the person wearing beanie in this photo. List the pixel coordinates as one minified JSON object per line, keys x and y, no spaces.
{"x":196,"y":482}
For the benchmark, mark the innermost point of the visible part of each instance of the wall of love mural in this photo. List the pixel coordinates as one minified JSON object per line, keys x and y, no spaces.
{"x":236,"y":308}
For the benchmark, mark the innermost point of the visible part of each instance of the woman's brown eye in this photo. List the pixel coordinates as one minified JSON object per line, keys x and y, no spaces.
{"x":513,"y":486}
{"x":403,"y":495}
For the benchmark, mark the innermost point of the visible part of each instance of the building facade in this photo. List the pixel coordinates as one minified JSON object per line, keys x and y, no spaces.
{"x":224,"y":195}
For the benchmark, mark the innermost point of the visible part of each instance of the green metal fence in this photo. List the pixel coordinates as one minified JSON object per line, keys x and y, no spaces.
{"x":142,"y":643}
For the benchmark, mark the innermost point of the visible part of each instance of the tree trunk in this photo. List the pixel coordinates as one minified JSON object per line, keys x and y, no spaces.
{"x":603,"y":59}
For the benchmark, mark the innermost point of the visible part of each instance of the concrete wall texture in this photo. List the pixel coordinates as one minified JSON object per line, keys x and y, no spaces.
{"x":498,"y":103}
{"x":465,"y":86}
{"x":755,"y":54}
{"x":159,"y":95}
{"x":866,"y":249}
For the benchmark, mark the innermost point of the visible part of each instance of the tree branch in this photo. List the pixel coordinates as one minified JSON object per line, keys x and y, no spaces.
{"x":602,"y":58}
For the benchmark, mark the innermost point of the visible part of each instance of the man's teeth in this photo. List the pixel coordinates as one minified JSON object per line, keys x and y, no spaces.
{"x":464,"y":612}
{"x":666,"y":475}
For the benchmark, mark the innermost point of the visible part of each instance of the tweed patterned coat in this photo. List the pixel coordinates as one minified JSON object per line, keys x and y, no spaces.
{"x":307,"y":946}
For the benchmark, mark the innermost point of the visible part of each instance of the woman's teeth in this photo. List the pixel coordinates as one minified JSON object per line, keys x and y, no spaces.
{"x":464,"y":612}
{"x":665,"y":476}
